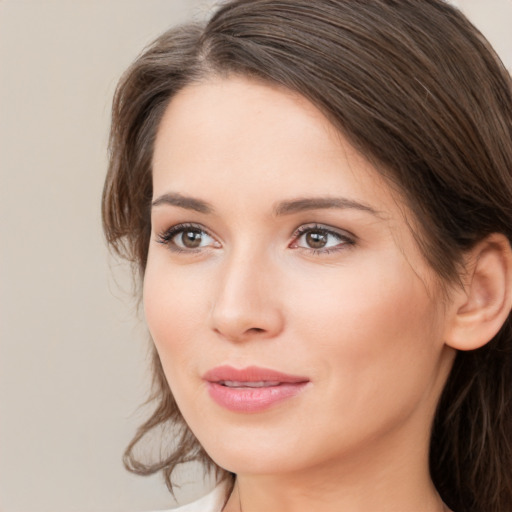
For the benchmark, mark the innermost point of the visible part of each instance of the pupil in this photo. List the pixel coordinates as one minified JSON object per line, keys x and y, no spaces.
{"x":191,"y":239}
{"x":316,"y":240}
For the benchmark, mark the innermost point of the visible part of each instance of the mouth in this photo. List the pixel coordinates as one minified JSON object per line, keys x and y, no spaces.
{"x":240,"y":384}
{"x":251,"y":389}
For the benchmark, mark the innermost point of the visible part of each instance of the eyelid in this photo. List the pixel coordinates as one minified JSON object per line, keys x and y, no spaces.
{"x":346,"y":238}
{"x":165,"y":237}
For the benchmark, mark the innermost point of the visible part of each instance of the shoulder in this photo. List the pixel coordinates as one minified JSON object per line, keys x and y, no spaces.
{"x":212,"y":502}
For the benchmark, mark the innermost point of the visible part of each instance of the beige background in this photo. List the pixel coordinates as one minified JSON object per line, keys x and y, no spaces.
{"x":73,"y":354}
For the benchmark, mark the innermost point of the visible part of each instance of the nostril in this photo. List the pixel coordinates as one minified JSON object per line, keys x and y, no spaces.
{"x":237,"y":320}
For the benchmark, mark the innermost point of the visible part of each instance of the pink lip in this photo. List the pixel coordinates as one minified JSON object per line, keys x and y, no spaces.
{"x":278,"y":387}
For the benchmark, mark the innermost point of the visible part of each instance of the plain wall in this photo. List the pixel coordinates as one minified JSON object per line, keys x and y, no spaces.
{"x":73,"y":354}
{"x":73,"y":351}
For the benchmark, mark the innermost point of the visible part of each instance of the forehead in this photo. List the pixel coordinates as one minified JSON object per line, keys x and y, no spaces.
{"x":249,"y":134}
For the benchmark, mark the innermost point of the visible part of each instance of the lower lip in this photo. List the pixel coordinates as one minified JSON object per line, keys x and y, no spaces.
{"x":249,"y":400}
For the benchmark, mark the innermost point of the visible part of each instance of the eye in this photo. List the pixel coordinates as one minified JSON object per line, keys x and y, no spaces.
{"x":320,"y":239}
{"x":190,"y":238}
{"x":187,"y":237}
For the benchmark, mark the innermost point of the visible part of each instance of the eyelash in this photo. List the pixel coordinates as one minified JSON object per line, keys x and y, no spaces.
{"x":166,"y":237}
{"x":345,"y":239}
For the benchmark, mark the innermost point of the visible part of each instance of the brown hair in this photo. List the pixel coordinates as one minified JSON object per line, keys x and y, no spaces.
{"x":419,"y":91}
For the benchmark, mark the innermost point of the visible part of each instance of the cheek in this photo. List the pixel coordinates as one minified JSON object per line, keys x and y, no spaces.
{"x":369,"y":325}
{"x":174,"y":301}
{"x":373,"y":342}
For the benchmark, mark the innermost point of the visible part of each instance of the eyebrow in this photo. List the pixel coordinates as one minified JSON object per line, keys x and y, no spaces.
{"x":283,"y":208}
{"x":189,"y":203}
{"x":321,"y":203}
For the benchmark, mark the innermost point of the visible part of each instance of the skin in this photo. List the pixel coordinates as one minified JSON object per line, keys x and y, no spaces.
{"x":362,"y":317}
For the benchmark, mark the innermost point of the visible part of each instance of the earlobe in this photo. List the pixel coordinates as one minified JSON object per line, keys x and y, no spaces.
{"x":482,"y":305}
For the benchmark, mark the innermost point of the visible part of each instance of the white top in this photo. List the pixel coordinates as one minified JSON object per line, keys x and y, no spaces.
{"x":212,"y":502}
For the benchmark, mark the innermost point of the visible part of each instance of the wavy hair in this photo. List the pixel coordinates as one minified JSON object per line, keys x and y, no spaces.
{"x":418,"y":90}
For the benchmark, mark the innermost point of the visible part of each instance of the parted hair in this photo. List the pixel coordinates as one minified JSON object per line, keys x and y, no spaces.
{"x":415,"y":88}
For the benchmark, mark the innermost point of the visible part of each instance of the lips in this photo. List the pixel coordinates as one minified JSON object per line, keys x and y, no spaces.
{"x":243,"y":384}
{"x":251,"y":389}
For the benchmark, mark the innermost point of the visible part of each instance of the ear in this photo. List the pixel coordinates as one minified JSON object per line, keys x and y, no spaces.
{"x":481,"y":306}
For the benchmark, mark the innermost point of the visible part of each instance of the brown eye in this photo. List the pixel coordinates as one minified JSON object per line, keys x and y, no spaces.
{"x":316,"y":239}
{"x":321,"y":240}
{"x":182,"y":238}
{"x":191,"y":238}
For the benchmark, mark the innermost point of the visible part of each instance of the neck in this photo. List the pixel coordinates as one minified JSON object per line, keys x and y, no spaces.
{"x":389,"y":483}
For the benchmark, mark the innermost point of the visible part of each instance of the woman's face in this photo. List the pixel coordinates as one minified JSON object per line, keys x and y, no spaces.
{"x":297,"y":323}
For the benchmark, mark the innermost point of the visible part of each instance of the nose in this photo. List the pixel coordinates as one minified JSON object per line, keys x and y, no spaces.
{"x":247,"y":300}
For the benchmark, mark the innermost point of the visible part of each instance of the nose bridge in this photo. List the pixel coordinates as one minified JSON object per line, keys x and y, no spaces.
{"x":246,"y":302}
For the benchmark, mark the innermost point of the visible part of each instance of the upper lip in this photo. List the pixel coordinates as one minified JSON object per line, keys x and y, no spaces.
{"x":250,"y":374}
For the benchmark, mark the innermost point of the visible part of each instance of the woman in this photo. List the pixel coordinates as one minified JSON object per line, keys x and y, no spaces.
{"x":317,"y":196}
